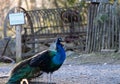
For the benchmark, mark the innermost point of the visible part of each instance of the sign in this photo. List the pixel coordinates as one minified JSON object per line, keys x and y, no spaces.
{"x":16,"y":18}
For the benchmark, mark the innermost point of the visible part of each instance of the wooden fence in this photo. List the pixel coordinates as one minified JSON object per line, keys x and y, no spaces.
{"x":103,"y":27}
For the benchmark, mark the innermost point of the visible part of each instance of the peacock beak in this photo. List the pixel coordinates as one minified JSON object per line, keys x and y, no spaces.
{"x":63,"y":43}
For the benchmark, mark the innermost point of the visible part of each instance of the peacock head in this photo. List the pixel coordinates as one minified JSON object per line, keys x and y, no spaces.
{"x":53,"y":46}
{"x":58,"y":40}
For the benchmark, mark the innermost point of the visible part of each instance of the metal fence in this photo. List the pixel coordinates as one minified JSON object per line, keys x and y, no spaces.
{"x":42,"y":26}
{"x":97,"y":30}
{"x":60,"y":21}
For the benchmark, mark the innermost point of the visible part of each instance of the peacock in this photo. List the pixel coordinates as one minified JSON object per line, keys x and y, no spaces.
{"x":46,"y":61}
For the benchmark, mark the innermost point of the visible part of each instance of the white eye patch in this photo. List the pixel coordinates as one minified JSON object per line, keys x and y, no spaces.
{"x":53,"y":47}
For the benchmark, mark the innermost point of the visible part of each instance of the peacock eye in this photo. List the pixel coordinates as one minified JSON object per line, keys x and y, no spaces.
{"x":60,"y":39}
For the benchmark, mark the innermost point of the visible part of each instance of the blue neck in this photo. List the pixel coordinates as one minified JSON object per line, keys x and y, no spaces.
{"x":60,"y":56}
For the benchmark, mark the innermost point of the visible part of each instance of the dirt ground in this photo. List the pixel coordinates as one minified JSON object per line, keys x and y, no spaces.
{"x":79,"y":68}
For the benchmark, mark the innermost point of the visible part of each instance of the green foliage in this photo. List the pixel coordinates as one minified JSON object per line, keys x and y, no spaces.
{"x":84,"y":11}
{"x":100,"y":18}
{"x":83,"y":4}
{"x":71,"y":2}
{"x":111,"y":1}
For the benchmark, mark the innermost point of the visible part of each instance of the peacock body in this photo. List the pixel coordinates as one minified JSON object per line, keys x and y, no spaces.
{"x":47,"y":61}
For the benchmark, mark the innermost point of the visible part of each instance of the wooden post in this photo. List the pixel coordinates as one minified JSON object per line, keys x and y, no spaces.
{"x":18,"y":43}
{"x":17,"y":19}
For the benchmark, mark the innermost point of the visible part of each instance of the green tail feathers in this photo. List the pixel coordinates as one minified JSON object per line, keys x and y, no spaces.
{"x":26,"y":72}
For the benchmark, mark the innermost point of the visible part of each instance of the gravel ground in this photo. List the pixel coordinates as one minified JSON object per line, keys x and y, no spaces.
{"x":77,"y":72}
{"x":89,"y":74}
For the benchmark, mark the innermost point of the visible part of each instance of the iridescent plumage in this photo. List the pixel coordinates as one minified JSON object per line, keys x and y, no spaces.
{"x":47,"y":61}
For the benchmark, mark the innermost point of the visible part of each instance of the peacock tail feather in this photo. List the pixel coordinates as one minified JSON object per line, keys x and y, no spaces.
{"x":26,"y":72}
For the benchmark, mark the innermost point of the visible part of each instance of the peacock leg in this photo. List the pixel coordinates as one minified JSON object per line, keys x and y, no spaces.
{"x":49,"y":78}
{"x":48,"y":81}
